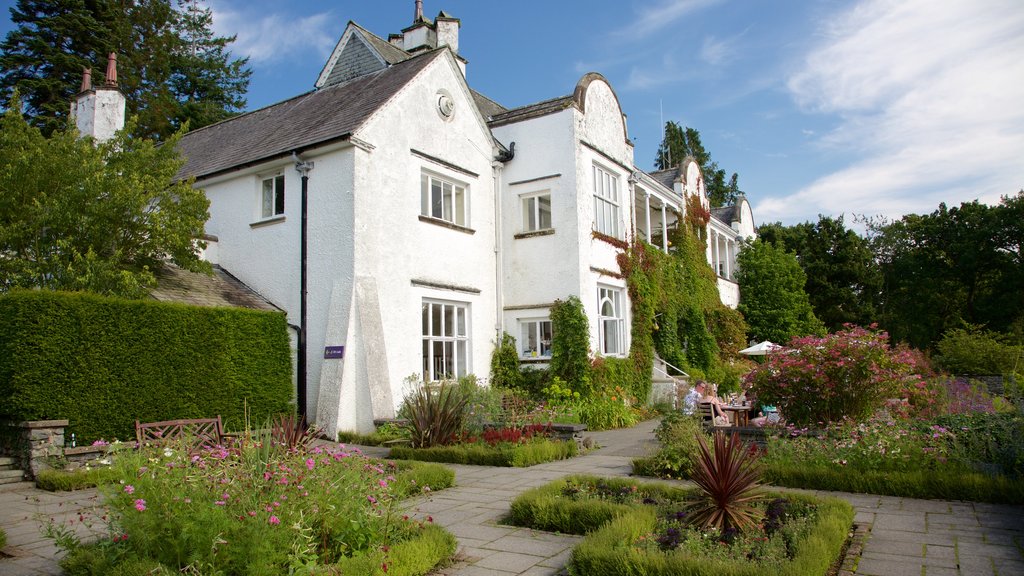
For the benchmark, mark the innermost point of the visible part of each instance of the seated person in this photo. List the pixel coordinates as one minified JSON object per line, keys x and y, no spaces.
{"x":769,"y":415}
{"x":692,"y":397}
{"x":708,"y":395}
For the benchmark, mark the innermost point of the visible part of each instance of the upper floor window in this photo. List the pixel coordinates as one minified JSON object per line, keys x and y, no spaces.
{"x":536,"y":212}
{"x":611,"y":321}
{"x":445,"y":340}
{"x":606,"y":202}
{"x":535,"y":338}
{"x":444,"y":200}
{"x":273,"y":196}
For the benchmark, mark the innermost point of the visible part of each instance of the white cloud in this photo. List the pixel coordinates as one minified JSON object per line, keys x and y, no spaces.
{"x":929,"y":101}
{"x":653,"y":19}
{"x":269,"y":37}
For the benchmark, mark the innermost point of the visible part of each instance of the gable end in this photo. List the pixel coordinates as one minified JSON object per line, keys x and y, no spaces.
{"x":356,"y":59}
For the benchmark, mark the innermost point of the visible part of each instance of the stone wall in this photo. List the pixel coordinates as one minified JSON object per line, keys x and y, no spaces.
{"x":40,"y":445}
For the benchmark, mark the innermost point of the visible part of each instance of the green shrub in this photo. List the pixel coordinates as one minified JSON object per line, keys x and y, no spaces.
{"x":66,"y":480}
{"x":570,"y":344}
{"x":385,"y":433}
{"x":612,"y":551}
{"x":103,"y":363}
{"x":413,"y":476}
{"x":505,"y":371}
{"x":518,"y":455}
{"x":678,"y":435}
{"x":413,"y":557}
{"x":977,"y":352}
{"x":435,"y":413}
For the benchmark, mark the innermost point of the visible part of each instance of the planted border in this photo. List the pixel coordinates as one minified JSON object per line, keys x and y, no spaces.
{"x":613,"y":529}
{"x":505,"y":455}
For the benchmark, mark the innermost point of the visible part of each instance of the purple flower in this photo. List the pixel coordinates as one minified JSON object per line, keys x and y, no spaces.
{"x":140,"y":504}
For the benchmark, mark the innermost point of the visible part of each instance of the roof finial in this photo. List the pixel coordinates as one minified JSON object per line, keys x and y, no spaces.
{"x":86,"y":79}
{"x":419,"y":11}
{"x":111,"y":70}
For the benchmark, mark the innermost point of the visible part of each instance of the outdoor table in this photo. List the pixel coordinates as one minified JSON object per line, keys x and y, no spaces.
{"x":740,"y":413}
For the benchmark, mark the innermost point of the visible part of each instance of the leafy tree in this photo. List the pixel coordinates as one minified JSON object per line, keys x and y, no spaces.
{"x":172,"y":69}
{"x":954,"y":267}
{"x":679,"y":143}
{"x":842,"y":279}
{"x":976,"y":352}
{"x":100,"y":219}
{"x":772,"y":296}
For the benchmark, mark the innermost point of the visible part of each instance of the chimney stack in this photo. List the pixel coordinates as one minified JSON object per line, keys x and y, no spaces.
{"x":99,"y":112}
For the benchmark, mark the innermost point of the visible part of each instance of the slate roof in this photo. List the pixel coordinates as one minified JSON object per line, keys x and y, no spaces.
{"x":531,"y":111}
{"x":311,"y":119}
{"x":727,"y":214}
{"x":665,"y":177}
{"x":487,"y":107}
{"x":389,"y":52}
{"x":175,"y":284}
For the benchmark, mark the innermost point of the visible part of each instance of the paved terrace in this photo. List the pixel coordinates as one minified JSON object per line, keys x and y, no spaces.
{"x":906,"y":536}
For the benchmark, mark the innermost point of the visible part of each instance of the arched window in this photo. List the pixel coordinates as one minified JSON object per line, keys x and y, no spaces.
{"x":611,"y":321}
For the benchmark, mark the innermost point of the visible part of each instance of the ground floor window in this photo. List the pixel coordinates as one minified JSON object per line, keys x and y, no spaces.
{"x":611,"y":321}
{"x":445,"y":340}
{"x":535,"y":338}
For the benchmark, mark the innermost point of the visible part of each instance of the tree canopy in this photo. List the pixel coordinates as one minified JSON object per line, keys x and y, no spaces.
{"x":74,"y":216}
{"x":842,"y":280}
{"x":679,"y":143}
{"x":772,"y":296}
{"x":171,"y":67}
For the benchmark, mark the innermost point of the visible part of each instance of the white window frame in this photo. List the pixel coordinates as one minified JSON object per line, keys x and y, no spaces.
{"x":445,"y":349}
{"x":611,"y":327}
{"x":449,"y":201}
{"x":535,"y":327}
{"x":607,"y":208}
{"x":532,"y":213}
{"x":274,"y":205}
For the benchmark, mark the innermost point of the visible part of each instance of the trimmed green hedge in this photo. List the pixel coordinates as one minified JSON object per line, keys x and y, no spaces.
{"x":518,"y":455}
{"x":102,"y":363}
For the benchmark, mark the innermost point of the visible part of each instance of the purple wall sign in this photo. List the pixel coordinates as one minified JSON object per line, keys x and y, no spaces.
{"x":334,"y":351}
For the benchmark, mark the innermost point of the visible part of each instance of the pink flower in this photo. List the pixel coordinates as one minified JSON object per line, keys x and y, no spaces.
{"x":371,"y":499}
{"x":220,"y":502}
{"x":383,"y":483}
{"x":140,"y":504}
{"x":310,"y":463}
{"x":129,"y":489}
{"x":274,"y":520}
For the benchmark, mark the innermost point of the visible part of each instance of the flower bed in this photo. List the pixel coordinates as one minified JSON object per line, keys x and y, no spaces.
{"x":517,"y":454}
{"x":261,"y":509}
{"x":640,"y":528}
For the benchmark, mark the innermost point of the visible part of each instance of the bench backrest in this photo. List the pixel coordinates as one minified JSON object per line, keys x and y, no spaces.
{"x":203,"y":431}
{"x":706,"y":411}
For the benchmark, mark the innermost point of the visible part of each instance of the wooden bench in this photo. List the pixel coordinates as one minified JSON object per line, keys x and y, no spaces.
{"x":202,"y":432}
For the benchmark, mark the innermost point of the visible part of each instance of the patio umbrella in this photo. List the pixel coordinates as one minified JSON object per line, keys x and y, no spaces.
{"x":761,"y":349}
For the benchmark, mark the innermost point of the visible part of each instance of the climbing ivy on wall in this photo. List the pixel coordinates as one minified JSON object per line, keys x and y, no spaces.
{"x":570,"y":344}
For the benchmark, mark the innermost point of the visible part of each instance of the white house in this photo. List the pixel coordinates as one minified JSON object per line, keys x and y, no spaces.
{"x":404,"y":221}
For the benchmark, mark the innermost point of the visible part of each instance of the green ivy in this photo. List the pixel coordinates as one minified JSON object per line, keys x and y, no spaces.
{"x":505,"y":371}
{"x":570,"y":344}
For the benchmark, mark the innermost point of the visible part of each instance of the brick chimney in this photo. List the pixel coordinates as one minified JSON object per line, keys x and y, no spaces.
{"x":99,"y":111}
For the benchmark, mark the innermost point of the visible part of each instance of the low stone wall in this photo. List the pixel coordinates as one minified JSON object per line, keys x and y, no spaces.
{"x":40,"y":445}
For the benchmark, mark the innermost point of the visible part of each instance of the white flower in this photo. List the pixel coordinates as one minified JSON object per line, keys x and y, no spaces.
{"x":168,"y":453}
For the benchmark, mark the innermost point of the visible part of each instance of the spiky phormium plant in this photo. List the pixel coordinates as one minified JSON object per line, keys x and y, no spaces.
{"x":435,"y":414}
{"x":729,"y":479}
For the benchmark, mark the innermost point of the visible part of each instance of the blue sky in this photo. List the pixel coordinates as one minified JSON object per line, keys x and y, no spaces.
{"x":870,"y":107}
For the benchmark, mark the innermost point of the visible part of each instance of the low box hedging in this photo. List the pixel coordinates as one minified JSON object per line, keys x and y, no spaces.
{"x":67,"y":480}
{"x":104,"y":362}
{"x":613,"y":528}
{"x":513,"y":455}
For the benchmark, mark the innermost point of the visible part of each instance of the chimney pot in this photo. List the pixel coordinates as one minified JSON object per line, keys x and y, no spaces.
{"x":86,"y":79}
{"x":419,"y":12}
{"x":111,"y":70}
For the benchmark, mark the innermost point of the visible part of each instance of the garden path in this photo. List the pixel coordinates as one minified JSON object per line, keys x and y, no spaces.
{"x":907,"y":536}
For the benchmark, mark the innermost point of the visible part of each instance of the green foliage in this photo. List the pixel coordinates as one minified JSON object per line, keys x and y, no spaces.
{"x":772,"y":296}
{"x":240,"y":512}
{"x":172,"y":69}
{"x":435,"y":414}
{"x":3,"y":538}
{"x":842,"y":279}
{"x":537,"y":451}
{"x":570,"y":343}
{"x":978,"y":352}
{"x":623,"y":547}
{"x":680,"y":449}
{"x":565,"y":505}
{"x":505,"y":371}
{"x":849,"y":374}
{"x":104,"y":362}
{"x":679,"y":143}
{"x":413,"y":477}
{"x":956,"y":267}
{"x":385,"y":433}
{"x":67,"y":480}
{"x":104,"y":219}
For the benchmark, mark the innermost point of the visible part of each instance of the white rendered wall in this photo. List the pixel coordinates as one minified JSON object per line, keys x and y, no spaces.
{"x":396,"y":249}
{"x":99,"y":113}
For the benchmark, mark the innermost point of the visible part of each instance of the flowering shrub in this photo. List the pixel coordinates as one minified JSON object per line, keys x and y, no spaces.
{"x":251,"y":510}
{"x":848,"y":374}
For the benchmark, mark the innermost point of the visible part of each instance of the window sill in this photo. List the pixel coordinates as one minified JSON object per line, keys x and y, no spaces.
{"x":267,"y":222}
{"x":446,"y":224}
{"x":535,"y":360}
{"x":535,"y":233}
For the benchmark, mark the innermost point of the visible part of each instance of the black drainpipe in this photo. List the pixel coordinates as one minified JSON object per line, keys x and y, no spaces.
{"x":303,"y":168}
